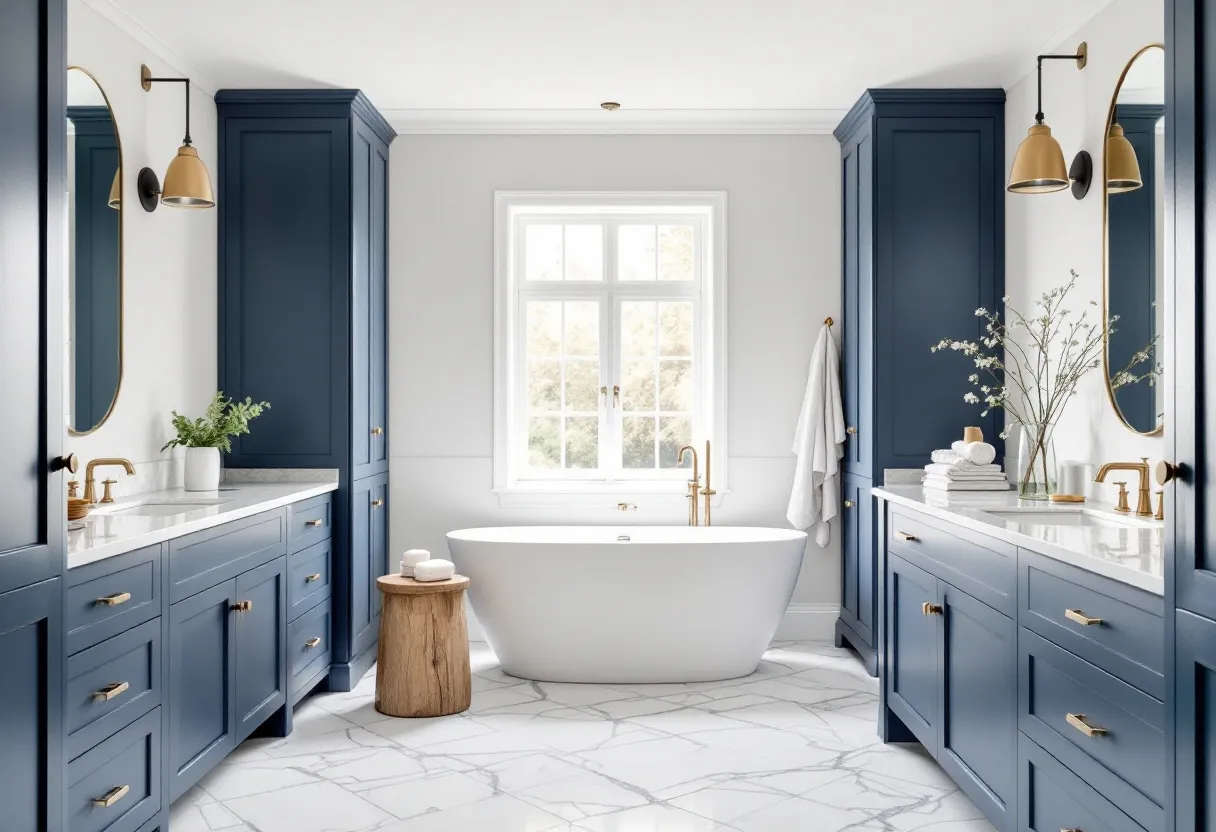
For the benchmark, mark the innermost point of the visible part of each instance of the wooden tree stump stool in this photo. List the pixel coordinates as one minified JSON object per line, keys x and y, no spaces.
{"x":424,"y":648}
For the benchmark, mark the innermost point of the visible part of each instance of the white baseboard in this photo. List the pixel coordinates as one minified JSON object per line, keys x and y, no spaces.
{"x":808,"y":622}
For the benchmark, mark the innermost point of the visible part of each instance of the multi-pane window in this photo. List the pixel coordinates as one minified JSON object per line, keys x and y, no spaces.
{"x":606,"y":337}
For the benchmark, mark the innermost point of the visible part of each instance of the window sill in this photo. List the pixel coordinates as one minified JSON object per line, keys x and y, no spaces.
{"x":643,"y":495}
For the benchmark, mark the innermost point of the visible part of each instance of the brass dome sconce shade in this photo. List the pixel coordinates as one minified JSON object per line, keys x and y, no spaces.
{"x":187,"y":183}
{"x":1122,"y":166}
{"x":1038,"y":166}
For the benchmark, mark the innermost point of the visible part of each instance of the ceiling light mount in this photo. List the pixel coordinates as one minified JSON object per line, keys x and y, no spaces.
{"x":1038,"y":166}
{"x":611,"y":106}
{"x":187,"y":183}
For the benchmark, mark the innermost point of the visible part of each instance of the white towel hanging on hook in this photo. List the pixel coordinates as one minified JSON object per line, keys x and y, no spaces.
{"x":819,"y":443}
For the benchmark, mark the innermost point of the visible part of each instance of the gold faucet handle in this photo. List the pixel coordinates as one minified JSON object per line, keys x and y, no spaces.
{"x":106,"y":496}
{"x":1122,"y":505}
{"x":73,"y":489}
{"x":1160,"y":515}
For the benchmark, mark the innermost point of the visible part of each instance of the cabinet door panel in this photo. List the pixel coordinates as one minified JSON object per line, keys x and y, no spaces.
{"x":201,"y":685}
{"x":31,"y":707}
{"x":849,"y":553}
{"x":978,"y":739}
{"x":379,"y":308}
{"x":1195,"y":722}
{"x":912,"y":677}
{"x":261,"y":631}
{"x":379,"y":552}
{"x":857,"y":548}
{"x":361,"y":297}
{"x":369,"y":558}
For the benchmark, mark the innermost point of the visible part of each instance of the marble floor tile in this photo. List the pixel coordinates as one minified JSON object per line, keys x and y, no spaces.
{"x":792,"y":747}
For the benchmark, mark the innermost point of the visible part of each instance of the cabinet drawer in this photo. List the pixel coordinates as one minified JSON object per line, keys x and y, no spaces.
{"x":305,"y":655}
{"x":309,"y":522}
{"x":110,"y":596}
{"x":984,"y":568}
{"x":1053,"y":799}
{"x":308,"y":577}
{"x":1125,"y":630}
{"x":205,"y":559}
{"x":1122,"y":751}
{"x":111,"y":685}
{"x":124,"y":771}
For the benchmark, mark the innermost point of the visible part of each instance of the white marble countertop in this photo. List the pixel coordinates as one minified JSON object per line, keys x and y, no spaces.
{"x":128,"y":523}
{"x":1127,"y":549}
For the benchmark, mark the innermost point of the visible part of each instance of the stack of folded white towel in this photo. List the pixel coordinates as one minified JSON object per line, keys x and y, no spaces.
{"x":966,"y":466}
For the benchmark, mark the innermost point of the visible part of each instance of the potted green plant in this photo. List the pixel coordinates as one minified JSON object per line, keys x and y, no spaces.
{"x":205,"y":437}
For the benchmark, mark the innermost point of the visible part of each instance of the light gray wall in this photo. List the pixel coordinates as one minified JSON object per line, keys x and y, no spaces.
{"x":1048,"y":234}
{"x":169,"y":258}
{"x":784,"y":278}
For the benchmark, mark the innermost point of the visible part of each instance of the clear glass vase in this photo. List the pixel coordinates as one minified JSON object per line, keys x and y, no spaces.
{"x":1037,"y":466}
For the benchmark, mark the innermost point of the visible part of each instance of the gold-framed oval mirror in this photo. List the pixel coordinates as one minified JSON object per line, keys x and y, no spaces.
{"x":95,"y":279}
{"x":1133,"y":192}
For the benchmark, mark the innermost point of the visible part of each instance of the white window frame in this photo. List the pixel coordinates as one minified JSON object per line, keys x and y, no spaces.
{"x":572,"y":487}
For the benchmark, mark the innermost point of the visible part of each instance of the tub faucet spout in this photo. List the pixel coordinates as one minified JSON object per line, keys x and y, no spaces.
{"x":694,"y":484}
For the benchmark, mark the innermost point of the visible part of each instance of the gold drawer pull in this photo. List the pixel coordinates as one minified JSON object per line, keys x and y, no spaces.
{"x":1078,"y":721}
{"x":110,"y":691}
{"x":849,"y":503}
{"x":111,"y":797}
{"x":317,"y":522}
{"x":377,"y":503}
{"x":315,"y":641}
{"x":931,"y":609}
{"x":242,"y":606}
{"x":1081,"y":618}
{"x":911,"y":538}
{"x":313,"y":578}
{"x":113,"y":600}
{"x":851,"y":431}
{"x":377,"y":431}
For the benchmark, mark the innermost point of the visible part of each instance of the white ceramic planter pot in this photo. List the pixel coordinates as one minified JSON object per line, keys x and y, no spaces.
{"x":202,"y":469}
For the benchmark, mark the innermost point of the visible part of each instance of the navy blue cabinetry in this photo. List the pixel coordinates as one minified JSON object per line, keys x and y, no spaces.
{"x":303,"y":256}
{"x":1190,"y":580}
{"x":261,"y":633}
{"x":922,"y":248}
{"x":32,"y":163}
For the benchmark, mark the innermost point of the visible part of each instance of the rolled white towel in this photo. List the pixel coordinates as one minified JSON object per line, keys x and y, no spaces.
{"x":434,"y":570}
{"x":980,"y":453}
{"x":411,"y":559}
{"x":958,"y":446}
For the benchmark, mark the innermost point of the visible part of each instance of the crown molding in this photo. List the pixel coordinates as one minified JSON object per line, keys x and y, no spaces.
{"x":121,"y":18}
{"x":621,"y":122}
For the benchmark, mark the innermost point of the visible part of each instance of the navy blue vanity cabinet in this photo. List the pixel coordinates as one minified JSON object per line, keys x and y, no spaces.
{"x":303,"y":260}
{"x":32,"y":520}
{"x":922,"y":176}
{"x":261,"y":636}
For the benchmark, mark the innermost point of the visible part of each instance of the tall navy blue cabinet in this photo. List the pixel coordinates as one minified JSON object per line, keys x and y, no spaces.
{"x":32,"y":520}
{"x":1190,"y":581}
{"x":922,"y":176}
{"x":303,"y":256}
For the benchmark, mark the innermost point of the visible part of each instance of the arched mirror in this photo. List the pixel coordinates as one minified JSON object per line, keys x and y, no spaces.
{"x":95,"y":206}
{"x":1134,"y":190}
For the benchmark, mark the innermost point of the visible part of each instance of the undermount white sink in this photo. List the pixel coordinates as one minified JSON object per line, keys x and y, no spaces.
{"x":160,"y":509}
{"x":1070,"y":517}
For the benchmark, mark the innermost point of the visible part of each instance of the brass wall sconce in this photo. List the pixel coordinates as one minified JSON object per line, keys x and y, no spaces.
{"x":1038,"y":166}
{"x":1122,"y":166}
{"x":187,"y":184}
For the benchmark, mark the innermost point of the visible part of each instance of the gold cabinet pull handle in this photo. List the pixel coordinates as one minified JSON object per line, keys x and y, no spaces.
{"x":111,"y":797}
{"x":931,"y":609}
{"x":377,"y":503}
{"x":313,"y":578}
{"x":1081,"y":618}
{"x":313,"y":642}
{"x":110,"y":691}
{"x":851,"y":431}
{"x":377,"y":431}
{"x":849,"y":504}
{"x":1078,"y":721}
{"x":317,"y":522}
{"x":911,"y":538}
{"x":242,"y":606}
{"x":114,"y":600}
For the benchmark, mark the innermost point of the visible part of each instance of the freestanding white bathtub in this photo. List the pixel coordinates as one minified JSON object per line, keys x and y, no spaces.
{"x":615,"y":604}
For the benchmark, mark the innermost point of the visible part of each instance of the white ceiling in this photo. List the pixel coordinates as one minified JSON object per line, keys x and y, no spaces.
{"x":771,"y":56}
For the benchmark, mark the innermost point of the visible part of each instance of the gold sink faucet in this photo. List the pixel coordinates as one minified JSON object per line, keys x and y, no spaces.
{"x":694,"y":484}
{"x":707,"y":492}
{"x":90,"y":483}
{"x":1144,"y":503}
